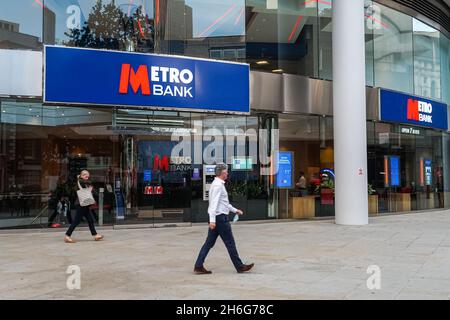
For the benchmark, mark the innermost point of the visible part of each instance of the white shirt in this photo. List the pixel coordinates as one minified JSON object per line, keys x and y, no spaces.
{"x":218,"y":200}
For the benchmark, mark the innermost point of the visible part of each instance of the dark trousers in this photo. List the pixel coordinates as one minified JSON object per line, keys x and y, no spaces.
{"x":55,"y":214}
{"x":223,"y":229}
{"x":82,"y":212}
{"x":52,"y":217}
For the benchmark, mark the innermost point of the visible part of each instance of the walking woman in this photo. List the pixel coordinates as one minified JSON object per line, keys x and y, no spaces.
{"x":82,"y":211}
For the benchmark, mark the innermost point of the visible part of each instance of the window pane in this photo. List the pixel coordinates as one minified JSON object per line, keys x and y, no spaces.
{"x":371,"y":18}
{"x":21,"y":24}
{"x":195,"y":27}
{"x":283,"y":37}
{"x":216,"y":18}
{"x":427,"y":68}
{"x":325,"y":40}
{"x":393,"y":50}
{"x":42,"y":154}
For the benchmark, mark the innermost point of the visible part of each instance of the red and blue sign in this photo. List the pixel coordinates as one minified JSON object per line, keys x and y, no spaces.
{"x":402,"y":108}
{"x":112,"y":78}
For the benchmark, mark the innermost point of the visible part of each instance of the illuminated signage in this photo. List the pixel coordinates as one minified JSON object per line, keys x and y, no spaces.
{"x":241,"y":163}
{"x":394,"y":164}
{"x":411,"y":131}
{"x":164,"y":163}
{"x":402,"y":108}
{"x":147,"y":175}
{"x":285,"y":172}
{"x":164,"y":81}
{"x":428,"y":171}
{"x":104,"y":77}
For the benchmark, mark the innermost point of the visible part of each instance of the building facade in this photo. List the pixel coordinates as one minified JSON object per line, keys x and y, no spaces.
{"x":128,"y":148}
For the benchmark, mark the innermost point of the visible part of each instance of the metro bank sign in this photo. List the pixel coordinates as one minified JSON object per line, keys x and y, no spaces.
{"x":111,"y":78}
{"x":165,"y":81}
{"x":402,"y":108}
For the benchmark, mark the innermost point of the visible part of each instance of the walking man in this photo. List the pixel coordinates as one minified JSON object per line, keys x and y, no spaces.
{"x":219,"y":225}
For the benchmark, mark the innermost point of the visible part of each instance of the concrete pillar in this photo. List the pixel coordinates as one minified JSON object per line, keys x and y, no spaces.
{"x":349,"y":103}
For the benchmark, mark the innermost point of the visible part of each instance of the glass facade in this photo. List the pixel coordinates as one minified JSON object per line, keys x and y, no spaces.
{"x":115,"y":25}
{"x":445,"y":68}
{"x":43,"y":147}
{"x":402,"y":53}
{"x":282,"y":36}
{"x":427,"y":63}
{"x":393,"y":51}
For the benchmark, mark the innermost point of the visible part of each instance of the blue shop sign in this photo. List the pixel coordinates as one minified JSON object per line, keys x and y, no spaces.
{"x":99,"y":77}
{"x":402,"y":108}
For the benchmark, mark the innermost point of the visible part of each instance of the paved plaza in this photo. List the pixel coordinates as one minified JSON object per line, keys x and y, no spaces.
{"x":293,"y":260}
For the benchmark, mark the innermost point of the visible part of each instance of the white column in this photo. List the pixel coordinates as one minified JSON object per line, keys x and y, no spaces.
{"x":349,"y":103}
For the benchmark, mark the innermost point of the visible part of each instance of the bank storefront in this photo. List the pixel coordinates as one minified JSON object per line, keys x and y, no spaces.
{"x":150,"y":128}
{"x":135,"y":93}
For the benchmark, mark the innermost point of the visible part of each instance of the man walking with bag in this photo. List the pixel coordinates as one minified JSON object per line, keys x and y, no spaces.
{"x":219,"y":225}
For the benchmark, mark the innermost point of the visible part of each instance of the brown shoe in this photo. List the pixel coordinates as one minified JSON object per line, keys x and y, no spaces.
{"x":245,"y":268}
{"x":201,"y":270}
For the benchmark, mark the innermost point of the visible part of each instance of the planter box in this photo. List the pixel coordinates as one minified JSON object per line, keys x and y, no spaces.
{"x":424,"y":201}
{"x":399,"y":202}
{"x":373,"y":204}
{"x":302,"y":207}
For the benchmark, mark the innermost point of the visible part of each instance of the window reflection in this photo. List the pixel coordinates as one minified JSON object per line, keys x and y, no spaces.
{"x":201,"y":28}
{"x":445,"y":68}
{"x":393,"y":51}
{"x":116,"y":25}
{"x":325,"y":40}
{"x":21,"y":24}
{"x":43,"y":149}
{"x":217,"y":18}
{"x":427,"y":69}
{"x":283,"y":38}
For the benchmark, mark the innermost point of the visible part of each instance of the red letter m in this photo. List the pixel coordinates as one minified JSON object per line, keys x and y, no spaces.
{"x":413,"y":110}
{"x":161,"y":164}
{"x":137,"y":79}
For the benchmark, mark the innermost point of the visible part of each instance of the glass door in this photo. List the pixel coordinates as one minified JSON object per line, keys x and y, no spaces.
{"x":156,"y":178}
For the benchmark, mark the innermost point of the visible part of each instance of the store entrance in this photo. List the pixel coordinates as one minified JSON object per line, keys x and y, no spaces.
{"x":157,"y":184}
{"x":163,"y":183}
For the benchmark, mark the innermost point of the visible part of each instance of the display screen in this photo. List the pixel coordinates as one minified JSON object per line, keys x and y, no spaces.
{"x":395,"y":171}
{"x":147,"y":175}
{"x":285,"y":173}
{"x":241,"y":163}
{"x":428,"y":172}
